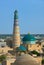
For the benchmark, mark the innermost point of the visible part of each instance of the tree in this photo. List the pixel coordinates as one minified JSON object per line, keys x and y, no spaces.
{"x":35,"y":52}
{"x":43,"y":61}
{"x":2,"y":57}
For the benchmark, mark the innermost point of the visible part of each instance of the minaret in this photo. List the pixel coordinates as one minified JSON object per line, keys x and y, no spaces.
{"x":16,"y":32}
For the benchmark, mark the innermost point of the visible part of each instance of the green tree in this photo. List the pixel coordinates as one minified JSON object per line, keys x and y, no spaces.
{"x":42,"y":61}
{"x":35,"y":52}
{"x":2,"y":57}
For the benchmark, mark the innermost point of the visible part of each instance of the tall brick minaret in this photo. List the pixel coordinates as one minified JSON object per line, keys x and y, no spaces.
{"x":16,"y":31}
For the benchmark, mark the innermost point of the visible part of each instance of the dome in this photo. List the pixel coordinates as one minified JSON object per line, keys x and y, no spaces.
{"x":21,"y":48}
{"x":29,"y":37}
{"x":26,"y":59}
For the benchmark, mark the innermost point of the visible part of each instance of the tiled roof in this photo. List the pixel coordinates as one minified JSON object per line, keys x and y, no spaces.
{"x":29,"y":37}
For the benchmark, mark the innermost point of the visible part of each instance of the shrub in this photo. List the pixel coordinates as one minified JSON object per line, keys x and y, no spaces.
{"x":42,"y":61}
{"x":35,"y":52}
{"x":2,"y":57}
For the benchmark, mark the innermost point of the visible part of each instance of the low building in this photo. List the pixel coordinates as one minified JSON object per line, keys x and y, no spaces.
{"x":3,"y":44}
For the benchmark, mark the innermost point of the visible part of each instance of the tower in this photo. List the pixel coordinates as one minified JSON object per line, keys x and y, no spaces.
{"x":16,"y":32}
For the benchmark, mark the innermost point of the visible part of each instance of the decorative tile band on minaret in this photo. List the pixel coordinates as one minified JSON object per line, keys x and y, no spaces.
{"x":16,"y":31}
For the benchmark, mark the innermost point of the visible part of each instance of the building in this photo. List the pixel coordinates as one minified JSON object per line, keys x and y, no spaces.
{"x":28,"y":40}
{"x":16,"y":31}
{"x":23,"y":59}
{"x":26,"y":59}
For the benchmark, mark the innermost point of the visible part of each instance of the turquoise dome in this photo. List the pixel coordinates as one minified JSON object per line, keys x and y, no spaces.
{"x":28,"y":38}
{"x":21,"y":48}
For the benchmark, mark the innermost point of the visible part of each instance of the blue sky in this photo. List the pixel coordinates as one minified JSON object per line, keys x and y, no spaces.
{"x":31,"y":16}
